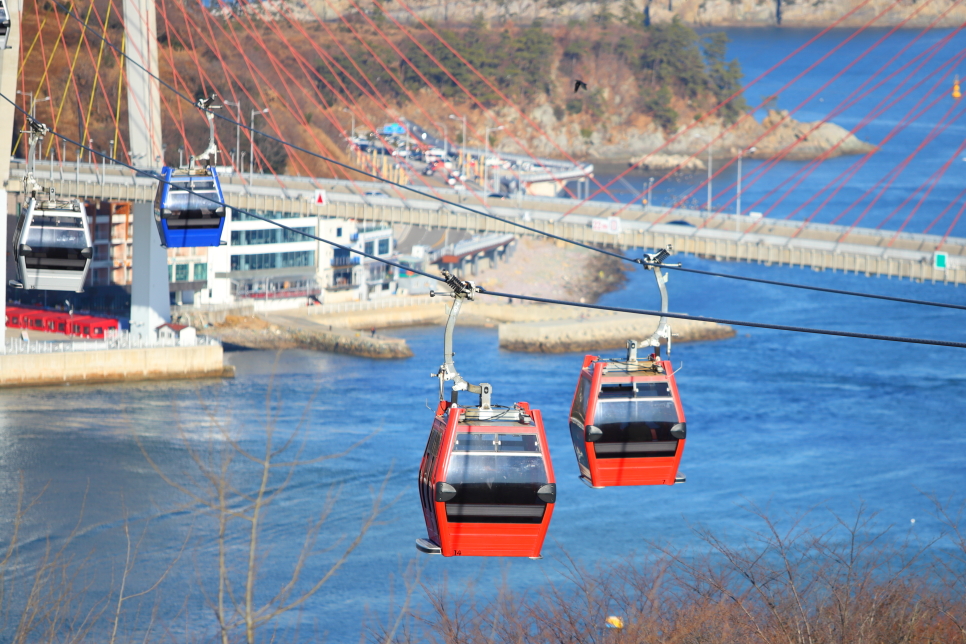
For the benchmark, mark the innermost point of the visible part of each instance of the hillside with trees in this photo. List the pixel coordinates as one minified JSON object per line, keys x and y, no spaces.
{"x":311,"y":74}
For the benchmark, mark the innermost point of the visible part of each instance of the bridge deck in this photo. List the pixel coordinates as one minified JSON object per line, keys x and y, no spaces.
{"x":725,"y":237}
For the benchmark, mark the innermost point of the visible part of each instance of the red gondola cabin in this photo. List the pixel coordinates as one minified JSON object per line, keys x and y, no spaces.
{"x":486,"y":483}
{"x":627,"y":423}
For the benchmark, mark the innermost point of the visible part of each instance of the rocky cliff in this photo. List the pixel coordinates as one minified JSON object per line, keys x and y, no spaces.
{"x":721,"y":13}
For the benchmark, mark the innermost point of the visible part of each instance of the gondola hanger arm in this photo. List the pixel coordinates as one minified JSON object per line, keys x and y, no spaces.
{"x":461,"y":290}
{"x":206,"y":106}
{"x":36,"y":131}
{"x":654,"y":262}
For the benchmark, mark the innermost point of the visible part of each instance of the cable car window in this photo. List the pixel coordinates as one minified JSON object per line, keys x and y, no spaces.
{"x":487,"y":484}
{"x":180,"y":200}
{"x":51,"y":221}
{"x":496,"y":443}
{"x":635,"y":427}
{"x":580,"y":400}
{"x":643,"y":390}
{"x":38,"y":238}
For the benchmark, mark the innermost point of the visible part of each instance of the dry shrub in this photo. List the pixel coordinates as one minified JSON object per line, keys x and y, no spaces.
{"x":800,"y":580}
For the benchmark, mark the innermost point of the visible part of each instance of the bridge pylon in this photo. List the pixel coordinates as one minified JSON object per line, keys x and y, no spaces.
{"x":150,"y":302}
{"x":9,"y":68}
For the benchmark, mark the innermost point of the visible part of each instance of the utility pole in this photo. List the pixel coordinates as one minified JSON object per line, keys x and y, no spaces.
{"x":709,"y":179}
{"x":251,"y":142}
{"x":650,"y":183}
{"x":237,"y":134}
{"x":738,"y":199}
{"x":463,"y":142}
{"x":486,"y":157}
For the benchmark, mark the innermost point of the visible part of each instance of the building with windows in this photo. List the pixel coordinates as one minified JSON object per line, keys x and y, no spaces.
{"x":258,"y":261}
{"x":263,"y":262}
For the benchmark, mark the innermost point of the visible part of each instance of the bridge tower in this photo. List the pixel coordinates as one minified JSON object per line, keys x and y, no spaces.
{"x":149,"y":285}
{"x":9,"y":58}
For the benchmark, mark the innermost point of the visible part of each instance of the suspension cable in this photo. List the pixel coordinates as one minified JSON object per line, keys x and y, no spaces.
{"x":599,"y":307}
{"x":510,"y":222}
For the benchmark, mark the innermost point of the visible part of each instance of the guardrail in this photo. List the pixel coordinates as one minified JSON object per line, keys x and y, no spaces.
{"x":371,"y":305}
{"x":121,"y":341}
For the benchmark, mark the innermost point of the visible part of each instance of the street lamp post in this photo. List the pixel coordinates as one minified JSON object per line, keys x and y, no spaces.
{"x":238,"y":123}
{"x":486,"y":156}
{"x":352,"y":133}
{"x":251,"y":142}
{"x":463,"y":142}
{"x":710,"y":145}
{"x":33,"y":103}
{"x":650,"y":183}
{"x":738,"y":199}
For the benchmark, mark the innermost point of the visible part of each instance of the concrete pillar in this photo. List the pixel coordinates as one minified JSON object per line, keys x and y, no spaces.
{"x":9,"y":59}
{"x":150,"y":303}
{"x":143,"y":92}
{"x":3,"y":260}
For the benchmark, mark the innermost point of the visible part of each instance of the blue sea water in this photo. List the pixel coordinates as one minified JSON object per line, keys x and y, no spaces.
{"x":791,"y":422}
{"x":874,"y":55}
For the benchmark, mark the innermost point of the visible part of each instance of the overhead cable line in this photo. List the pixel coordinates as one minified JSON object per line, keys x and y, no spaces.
{"x":756,"y":325}
{"x":531,"y":298}
{"x":531,"y":229}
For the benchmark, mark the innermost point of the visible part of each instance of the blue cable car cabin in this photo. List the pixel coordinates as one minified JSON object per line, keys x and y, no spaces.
{"x":186,"y":219}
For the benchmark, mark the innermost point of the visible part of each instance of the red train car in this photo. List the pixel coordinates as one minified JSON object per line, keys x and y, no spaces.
{"x":48,"y":321}
{"x":627,"y":423}
{"x":486,"y":483}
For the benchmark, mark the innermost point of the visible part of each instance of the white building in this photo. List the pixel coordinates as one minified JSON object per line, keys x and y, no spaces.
{"x":261,"y":261}
{"x":185,"y":334}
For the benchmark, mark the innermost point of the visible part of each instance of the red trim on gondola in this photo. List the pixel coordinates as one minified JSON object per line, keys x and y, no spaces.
{"x":488,"y":537}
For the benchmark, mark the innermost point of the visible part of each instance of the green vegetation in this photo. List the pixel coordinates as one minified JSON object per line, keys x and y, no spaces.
{"x":678,"y":73}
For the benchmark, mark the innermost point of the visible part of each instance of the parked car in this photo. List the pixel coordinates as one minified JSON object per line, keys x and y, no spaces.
{"x":376,"y":193}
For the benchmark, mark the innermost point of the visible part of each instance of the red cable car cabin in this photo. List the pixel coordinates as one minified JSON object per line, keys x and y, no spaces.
{"x":486,"y":483}
{"x":627,"y":423}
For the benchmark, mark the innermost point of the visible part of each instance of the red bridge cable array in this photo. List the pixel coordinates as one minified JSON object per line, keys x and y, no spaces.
{"x":431,"y":86}
{"x":788,"y":84}
{"x":804,"y":172}
{"x":472,"y":97}
{"x":809,"y":168}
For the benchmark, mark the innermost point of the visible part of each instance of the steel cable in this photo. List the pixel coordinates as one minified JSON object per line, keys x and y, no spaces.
{"x":503,"y":219}
{"x":531,"y":298}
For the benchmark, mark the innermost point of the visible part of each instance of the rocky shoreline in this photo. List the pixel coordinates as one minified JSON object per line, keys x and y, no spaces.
{"x":773,"y":136}
{"x":696,"y":13}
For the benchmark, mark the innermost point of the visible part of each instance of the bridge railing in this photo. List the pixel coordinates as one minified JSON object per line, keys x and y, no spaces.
{"x":123,"y":340}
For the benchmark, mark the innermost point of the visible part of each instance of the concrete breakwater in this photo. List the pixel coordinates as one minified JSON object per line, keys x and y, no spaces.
{"x":115,"y":365}
{"x":292,"y":332}
{"x":600,"y":333}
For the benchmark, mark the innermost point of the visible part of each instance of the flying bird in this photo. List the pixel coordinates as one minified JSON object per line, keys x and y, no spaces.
{"x":578,"y":84}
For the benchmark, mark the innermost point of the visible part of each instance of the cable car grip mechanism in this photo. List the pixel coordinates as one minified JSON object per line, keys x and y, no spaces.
{"x":462,"y":290}
{"x":653,"y":262}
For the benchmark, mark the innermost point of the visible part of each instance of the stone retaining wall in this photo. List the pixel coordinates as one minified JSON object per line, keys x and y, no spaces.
{"x":601,"y":333}
{"x":159,"y":363}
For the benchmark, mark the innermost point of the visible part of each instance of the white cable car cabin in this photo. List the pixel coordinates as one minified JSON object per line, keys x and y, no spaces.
{"x":4,"y":24}
{"x":53,"y":249}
